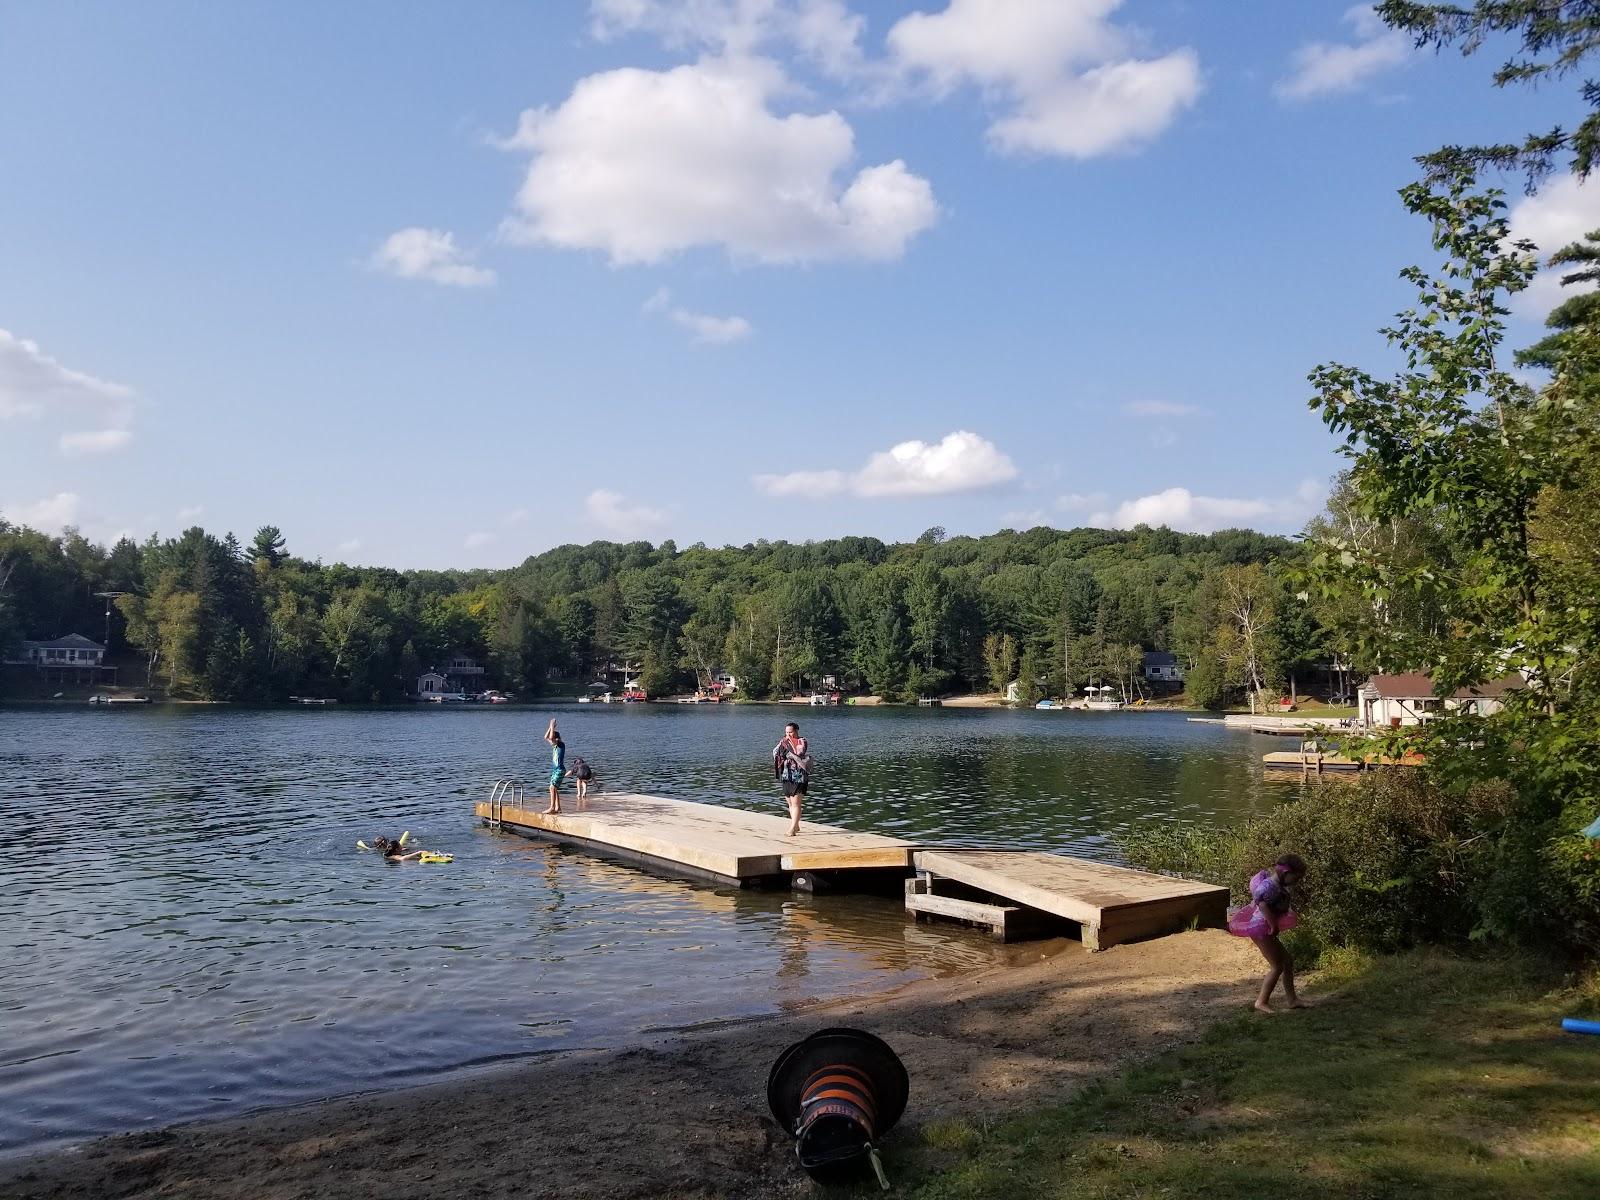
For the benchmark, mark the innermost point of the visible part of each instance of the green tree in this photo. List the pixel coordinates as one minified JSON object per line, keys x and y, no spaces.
{"x":1000,"y":658}
{"x":267,"y":546}
{"x":1555,"y":36}
{"x":1030,"y":677}
{"x":885,"y":652}
{"x":928,"y":602}
{"x":1457,"y":438}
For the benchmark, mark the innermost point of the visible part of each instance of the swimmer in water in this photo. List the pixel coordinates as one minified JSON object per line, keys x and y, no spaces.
{"x":393,"y":851}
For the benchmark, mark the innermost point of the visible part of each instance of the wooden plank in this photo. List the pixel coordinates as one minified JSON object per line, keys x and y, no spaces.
{"x":833,"y":860}
{"x":1165,"y":916}
{"x":727,"y":842}
{"x":1076,"y":889}
{"x":962,"y":910}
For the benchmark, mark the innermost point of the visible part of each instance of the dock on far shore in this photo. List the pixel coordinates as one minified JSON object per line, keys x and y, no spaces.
{"x":1014,"y":894}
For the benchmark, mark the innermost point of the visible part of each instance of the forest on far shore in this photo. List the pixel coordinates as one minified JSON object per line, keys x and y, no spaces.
{"x":216,"y":618}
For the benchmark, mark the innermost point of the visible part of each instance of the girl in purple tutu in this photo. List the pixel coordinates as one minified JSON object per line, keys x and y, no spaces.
{"x":1266,"y":916}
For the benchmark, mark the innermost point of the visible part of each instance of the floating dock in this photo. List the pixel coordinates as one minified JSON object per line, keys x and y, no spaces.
{"x":1015,"y":894}
{"x":1321,"y":761}
{"x":701,"y":841}
{"x":1008,"y":890}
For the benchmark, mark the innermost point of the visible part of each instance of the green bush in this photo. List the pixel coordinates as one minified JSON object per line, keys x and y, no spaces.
{"x":1206,"y":684}
{"x":1395,"y":860}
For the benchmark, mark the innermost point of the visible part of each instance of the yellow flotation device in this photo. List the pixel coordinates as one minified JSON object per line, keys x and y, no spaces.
{"x":430,"y":856}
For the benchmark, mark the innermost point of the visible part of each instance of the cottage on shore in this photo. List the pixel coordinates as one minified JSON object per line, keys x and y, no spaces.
{"x":1396,"y":700}
{"x":1161,"y":666}
{"x":70,"y":659}
{"x":462,"y":675}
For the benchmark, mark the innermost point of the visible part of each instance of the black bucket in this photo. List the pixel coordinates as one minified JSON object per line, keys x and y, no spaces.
{"x":837,"y":1092}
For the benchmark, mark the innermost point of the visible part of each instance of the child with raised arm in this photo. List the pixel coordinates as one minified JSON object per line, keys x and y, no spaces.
{"x":1266,"y":916}
{"x":558,"y":766}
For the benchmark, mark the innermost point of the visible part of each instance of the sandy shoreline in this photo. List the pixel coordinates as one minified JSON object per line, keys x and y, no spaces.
{"x":684,"y":1115}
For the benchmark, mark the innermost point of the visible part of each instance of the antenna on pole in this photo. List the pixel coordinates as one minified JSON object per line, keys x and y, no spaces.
{"x":109,"y":597}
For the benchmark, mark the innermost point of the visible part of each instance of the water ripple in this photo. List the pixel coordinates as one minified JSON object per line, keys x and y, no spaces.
{"x":188,"y":931}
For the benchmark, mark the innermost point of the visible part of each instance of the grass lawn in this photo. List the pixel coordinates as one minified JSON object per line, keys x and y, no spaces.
{"x":1419,"y":1075}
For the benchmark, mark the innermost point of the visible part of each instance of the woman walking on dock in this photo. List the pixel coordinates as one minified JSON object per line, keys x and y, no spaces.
{"x":791,"y":765}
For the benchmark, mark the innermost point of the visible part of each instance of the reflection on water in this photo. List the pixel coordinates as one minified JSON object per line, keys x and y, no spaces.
{"x":188,"y":931}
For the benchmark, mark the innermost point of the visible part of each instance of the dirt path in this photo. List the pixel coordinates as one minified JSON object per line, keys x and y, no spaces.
{"x":685,"y":1116}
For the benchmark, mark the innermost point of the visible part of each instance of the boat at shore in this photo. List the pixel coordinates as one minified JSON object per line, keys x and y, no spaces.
{"x":118,"y":701}
{"x":1101,"y":699}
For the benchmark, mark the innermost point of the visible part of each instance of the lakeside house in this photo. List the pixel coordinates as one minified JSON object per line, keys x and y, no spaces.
{"x":432,"y":683}
{"x":1409,"y":699}
{"x":462,"y":675}
{"x":70,"y":659}
{"x":1161,"y":666}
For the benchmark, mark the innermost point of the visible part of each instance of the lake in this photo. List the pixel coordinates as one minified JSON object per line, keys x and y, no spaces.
{"x":188,"y":930}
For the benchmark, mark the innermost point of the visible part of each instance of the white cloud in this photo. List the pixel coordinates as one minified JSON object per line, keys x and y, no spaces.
{"x":517,"y":516}
{"x":1067,"y":79}
{"x":49,"y":515}
{"x":814,"y":484}
{"x":825,"y":32}
{"x":644,"y":164}
{"x":190,"y":512}
{"x":1179,"y":508}
{"x":960,"y":462}
{"x":612,"y":513}
{"x":31,"y":383}
{"x":1024,"y":520}
{"x":705,"y":328}
{"x":717,"y":331}
{"x":97,"y":441}
{"x":476,"y":541}
{"x":1081,"y":501}
{"x":1322,"y":68}
{"x":349,"y":547}
{"x":430,"y":254}
{"x":1560,"y":213}
{"x":1160,"y":408}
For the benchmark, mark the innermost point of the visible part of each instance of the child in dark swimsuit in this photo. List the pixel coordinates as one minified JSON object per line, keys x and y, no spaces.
{"x":393,"y":851}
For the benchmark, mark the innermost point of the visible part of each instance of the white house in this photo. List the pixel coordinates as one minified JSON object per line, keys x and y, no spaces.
{"x":461,"y":665}
{"x":432,"y":683}
{"x":70,"y":658}
{"x":726,"y":681}
{"x":1162,"y":667}
{"x":1408,"y":699}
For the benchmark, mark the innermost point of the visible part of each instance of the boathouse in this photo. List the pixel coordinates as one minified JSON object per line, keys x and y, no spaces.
{"x":1409,"y":699}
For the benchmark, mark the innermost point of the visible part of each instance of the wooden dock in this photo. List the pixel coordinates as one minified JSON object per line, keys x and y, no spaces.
{"x":703,"y":841}
{"x":1317,"y":761}
{"x":1015,"y":894}
{"x":1008,"y":890}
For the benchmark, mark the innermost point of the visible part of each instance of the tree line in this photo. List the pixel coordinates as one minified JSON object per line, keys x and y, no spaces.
{"x":1052,"y":609}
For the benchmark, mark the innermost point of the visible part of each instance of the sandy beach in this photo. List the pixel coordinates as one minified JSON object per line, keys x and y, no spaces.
{"x":683,"y":1114}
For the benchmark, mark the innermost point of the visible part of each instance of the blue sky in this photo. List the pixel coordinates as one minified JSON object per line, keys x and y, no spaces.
{"x":432,"y":285}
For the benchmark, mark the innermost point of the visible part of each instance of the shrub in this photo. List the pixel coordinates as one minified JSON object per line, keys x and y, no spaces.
{"x":1395,"y":860}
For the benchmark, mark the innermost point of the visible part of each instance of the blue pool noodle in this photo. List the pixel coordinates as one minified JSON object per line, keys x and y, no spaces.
{"x":1573,"y":1025}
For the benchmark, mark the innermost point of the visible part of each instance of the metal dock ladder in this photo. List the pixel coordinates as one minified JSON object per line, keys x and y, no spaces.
{"x":504,"y":789}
